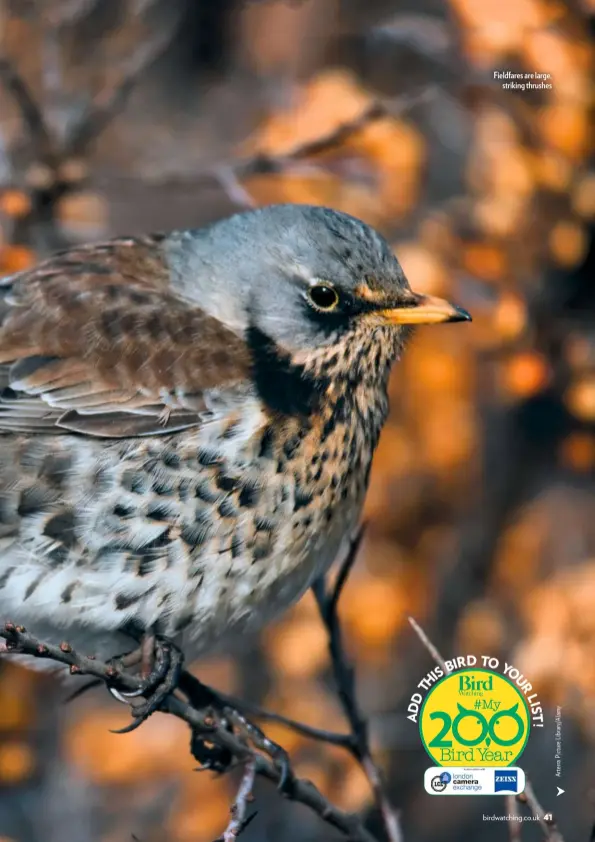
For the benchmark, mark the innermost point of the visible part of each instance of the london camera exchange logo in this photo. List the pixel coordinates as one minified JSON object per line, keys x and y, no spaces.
{"x":441,"y":781}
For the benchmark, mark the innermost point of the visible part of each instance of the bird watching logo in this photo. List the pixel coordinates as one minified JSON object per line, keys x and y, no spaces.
{"x":475,"y":717}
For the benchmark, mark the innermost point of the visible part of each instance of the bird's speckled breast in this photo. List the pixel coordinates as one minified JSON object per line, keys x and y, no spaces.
{"x":204,"y":536}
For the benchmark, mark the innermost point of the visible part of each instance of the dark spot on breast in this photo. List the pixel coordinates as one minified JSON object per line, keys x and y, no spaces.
{"x":66,"y":594}
{"x":249,"y":495}
{"x":145,"y":566}
{"x":332,"y":360}
{"x":231,"y":430}
{"x":55,"y":469}
{"x":58,"y":556}
{"x":184,"y":487}
{"x":122,"y":511}
{"x":121,"y":602}
{"x":161,"y":511}
{"x":135,"y":481}
{"x":237,"y":545}
{"x":5,"y":576}
{"x":184,"y":619}
{"x":204,"y":491}
{"x":262,"y":546}
{"x":227,"y":482}
{"x":227,"y":508}
{"x":208,"y":458}
{"x":195,"y":534}
{"x":163,"y":486}
{"x":171,"y":459}
{"x":267,"y":444}
{"x":102,"y":479}
{"x":341,"y":410}
{"x":32,"y":587}
{"x":318,"y":473}
{"x":291,"y":446}
{"x":329,"y":426}
{"x":32,"y":500}
{"x":302,"y":498}
{"x":264,"y":524}
{"x":61,"y":528}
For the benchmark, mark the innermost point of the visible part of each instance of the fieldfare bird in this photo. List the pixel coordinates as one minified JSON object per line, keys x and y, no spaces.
{"x":187,"y":422}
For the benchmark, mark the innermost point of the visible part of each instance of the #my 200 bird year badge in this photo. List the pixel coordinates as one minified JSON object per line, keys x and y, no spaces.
{"x":474,"y":723}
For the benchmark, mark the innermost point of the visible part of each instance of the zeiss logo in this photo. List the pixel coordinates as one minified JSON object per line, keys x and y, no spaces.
{"x":505,"y":781}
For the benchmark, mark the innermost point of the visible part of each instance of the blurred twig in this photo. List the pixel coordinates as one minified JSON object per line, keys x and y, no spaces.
{"x":549,"y":826}
{"x":59,"y":166}
{"x":112,"y":98}
{"x":514,"y":818}
{"x":429,"y":645}
{"x":344,"y":674}
{"x":27,"y":105}
{"x":229,"y":176}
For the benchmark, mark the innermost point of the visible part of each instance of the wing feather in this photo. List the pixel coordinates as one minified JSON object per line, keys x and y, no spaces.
{"x":95,"y":341}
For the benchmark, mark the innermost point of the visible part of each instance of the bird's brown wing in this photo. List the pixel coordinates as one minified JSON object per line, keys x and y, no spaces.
{"x":94,"y":340}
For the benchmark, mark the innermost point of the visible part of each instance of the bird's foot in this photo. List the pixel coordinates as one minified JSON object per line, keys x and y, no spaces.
{"x":161,"y":664}
{"x":227,"y":712}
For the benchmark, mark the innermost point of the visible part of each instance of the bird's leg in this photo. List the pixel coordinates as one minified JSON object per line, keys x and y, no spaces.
{"x":160,"y":663}
{"x":148,"y":653}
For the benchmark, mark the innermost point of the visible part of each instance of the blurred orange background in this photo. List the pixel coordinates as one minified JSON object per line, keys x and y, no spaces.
{"x":480,"y":509}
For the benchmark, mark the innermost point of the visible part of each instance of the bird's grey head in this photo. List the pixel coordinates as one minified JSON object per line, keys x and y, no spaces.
{"x":305,"y":277}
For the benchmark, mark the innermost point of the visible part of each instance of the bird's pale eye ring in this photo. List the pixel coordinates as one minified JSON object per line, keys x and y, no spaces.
{"x":323,"y":297}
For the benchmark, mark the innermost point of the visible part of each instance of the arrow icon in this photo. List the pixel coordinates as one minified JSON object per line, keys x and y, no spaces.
{"x":560,"y":790}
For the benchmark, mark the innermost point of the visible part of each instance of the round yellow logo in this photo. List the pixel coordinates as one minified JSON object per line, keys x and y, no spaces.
{"x":474,"y":717}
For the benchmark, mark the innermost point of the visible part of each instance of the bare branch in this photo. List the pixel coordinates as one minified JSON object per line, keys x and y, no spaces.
{"x":230,"y":174}
{"x":30,"y":111}
{"x":514,"y":821}
{"x":548,"y":825}
{"x":244,"y":742}
{"x":239,"y":821}
{"x":112,"y":98}
{"x":429,"y":645}
{"x":344,"y":675}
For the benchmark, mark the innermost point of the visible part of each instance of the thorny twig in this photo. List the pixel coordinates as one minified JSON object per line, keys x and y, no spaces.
{"x":528,"y":797}
{"x":244,"y":743}
{"x":344,"y":674}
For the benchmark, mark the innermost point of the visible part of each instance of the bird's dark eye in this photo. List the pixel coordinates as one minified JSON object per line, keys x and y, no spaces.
{"x":323,"y":297}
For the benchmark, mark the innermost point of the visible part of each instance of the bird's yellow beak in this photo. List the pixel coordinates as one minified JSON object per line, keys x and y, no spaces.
{"x":424,"y":310}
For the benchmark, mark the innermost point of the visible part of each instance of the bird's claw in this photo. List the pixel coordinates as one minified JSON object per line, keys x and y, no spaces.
{"x":156,"y":687}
